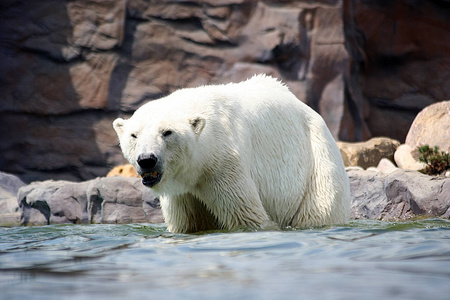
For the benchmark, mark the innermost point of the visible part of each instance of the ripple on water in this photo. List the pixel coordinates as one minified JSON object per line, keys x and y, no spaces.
{"x":363,"y":259}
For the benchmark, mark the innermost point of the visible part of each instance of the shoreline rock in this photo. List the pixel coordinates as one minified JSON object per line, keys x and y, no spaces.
{"x":398,"y":195}
{"x":384,"y":193}
{"x":112,"y":200}
{"x":9,"y":208}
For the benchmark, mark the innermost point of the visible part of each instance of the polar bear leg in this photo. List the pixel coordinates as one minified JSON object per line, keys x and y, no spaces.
{"x":234,"y":200}
{"x":185,"y":214}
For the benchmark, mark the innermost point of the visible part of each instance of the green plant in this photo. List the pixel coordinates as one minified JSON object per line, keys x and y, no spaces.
{"x":437,"y":161}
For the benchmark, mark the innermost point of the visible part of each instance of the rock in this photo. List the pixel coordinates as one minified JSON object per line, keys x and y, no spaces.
{"x":102,"y":200}
{"x":384,"y":193}
{"x":53,"y":202}
{"x":123,"y":170}
{"x":368,"y":154}
{"x":431,"y":127}
{"x":123,"y":200}
{"x":152,"y":208}
{"x":404,"y":159}
{"x":399,"y":195}
{"x":9,"y":208}
{"x":386,"y":166}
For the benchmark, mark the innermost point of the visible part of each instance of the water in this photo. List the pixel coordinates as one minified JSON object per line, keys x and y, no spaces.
{"x":362,"y":260}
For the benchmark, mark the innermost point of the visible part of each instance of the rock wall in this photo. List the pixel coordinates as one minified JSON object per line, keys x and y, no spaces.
{"x":68,"y":68}
{"x":399,"y":63}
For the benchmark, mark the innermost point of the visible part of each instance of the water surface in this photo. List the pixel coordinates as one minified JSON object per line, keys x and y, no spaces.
{"x":361,"y":260}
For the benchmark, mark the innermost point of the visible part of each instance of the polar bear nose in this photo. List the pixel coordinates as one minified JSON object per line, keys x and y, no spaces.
{"x":147,"y":161}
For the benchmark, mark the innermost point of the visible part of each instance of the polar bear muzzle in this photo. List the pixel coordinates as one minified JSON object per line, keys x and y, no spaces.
{"x":149,"y":170}
{"x":151,"y":179}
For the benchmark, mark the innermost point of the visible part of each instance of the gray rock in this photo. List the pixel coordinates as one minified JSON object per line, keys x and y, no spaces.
{"x":101,"y":200}
{"x":53,"y":202}
{"x":398,"y":195}
{"x":122,"y":200}
{"x":9,"y":208}
{"x":383,"y":193}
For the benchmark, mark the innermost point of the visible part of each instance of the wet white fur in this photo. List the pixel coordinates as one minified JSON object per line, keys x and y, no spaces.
{"x":258,"y":156}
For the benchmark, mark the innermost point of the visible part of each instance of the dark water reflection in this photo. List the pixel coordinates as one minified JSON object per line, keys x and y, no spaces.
{"x":362,"y":260}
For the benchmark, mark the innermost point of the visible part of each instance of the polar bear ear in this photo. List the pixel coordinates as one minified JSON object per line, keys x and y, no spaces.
{"x":197,"y":124}
{"x":118,"y":126}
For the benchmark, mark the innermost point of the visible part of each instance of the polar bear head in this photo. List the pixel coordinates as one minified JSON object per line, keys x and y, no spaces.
{"x":160,"y":143}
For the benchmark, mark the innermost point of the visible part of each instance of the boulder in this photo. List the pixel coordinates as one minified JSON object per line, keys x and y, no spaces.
{"x":101,"y":200}
{"x":399,"y":195}
{"x":368,"y":154}
{"x":53,"y":202}
{"x":122,"y":200}
{"x":431,"y":127}
{"x":9,"y":208}
{"x":405,"y":159}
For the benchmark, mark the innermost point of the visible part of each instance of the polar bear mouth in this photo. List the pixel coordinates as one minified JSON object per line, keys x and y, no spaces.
{"x":150,"y":179}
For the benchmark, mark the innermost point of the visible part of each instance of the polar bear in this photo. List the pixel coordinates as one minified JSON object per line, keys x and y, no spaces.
{"x":246,"y":154}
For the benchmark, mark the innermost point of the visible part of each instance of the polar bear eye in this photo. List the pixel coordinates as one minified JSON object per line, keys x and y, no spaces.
{"x":134,"y":136}
{"x":166,"y":133}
